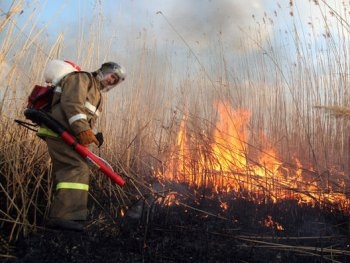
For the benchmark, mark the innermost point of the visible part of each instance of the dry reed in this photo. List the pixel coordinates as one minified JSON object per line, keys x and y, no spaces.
{"x":336,"y":111}
{"x":141,"y":121}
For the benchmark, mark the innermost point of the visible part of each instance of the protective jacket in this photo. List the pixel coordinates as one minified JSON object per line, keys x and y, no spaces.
{"x":77,"y":102}
{"x":76,"y":105}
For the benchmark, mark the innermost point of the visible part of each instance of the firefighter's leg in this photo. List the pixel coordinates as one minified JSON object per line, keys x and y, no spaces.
{"x":71,"y":181}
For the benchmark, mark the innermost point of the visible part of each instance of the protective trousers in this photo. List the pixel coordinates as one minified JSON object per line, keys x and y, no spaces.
{"x":71,"y":181}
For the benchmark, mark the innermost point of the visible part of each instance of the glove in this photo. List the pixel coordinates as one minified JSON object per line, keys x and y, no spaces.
{"x":87,"y":137}
{"x":99,"y":137}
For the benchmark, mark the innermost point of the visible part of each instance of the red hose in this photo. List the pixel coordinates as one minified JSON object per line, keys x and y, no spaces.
{"x":38,"y":116}
{"x":90,"y":157}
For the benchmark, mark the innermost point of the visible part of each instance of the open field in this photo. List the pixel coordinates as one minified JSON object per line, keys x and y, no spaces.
{"x":258,"y":147}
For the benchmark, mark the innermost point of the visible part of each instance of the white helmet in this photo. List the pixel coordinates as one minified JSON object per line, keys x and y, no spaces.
{"x":112,"y":67}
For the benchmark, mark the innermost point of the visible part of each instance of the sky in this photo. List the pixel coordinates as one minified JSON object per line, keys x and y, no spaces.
{"x":199,"y":30}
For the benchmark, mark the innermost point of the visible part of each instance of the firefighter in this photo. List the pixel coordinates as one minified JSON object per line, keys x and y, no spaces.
{"x":76,"y":105}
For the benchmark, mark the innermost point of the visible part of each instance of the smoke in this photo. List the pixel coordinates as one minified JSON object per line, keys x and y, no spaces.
{"x":232,"y":22}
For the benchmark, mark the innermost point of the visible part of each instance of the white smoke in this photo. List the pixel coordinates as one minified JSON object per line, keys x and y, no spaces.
{"x":204,"y":23}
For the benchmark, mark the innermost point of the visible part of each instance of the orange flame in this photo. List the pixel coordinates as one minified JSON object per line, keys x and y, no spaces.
{"x":270,"y":223}
{"x":223,"y":163}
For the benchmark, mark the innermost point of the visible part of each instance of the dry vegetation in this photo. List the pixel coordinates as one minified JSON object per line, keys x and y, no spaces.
{"x":142,"y":119}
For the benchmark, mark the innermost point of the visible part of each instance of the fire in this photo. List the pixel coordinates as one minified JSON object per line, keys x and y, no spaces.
{"x":270,"y":223}
{"x":224,"y":205}
{"x":222,"y":161}
{"x":229,"y":137}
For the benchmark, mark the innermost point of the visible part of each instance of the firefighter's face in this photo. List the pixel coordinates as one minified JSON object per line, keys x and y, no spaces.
{"x":109,"y":81}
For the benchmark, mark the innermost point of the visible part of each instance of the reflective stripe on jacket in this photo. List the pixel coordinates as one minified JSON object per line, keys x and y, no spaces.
{"x":77,"y":102}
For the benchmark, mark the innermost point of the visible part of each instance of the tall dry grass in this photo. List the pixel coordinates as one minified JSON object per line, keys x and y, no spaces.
{"x":25,"y":182}
{"x":141,"y":119}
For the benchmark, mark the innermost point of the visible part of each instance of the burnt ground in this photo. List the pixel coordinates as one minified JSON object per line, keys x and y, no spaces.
{"x":196,"y":231}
